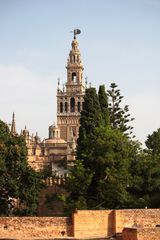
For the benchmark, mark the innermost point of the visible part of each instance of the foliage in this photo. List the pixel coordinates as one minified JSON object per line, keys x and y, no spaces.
{"x":104,"y":154}
{"x":19,"y":184}
{"x":113,"y":171}
{"x":110,"y":166}
{"x":119,"y":116}
{"x":91,"y":118}
{"x":103,"y":101}
{"x":153,"y":142}
{"x":78,"y":182}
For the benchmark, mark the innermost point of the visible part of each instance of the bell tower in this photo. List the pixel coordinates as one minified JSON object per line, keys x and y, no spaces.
{"x":70,"y":98}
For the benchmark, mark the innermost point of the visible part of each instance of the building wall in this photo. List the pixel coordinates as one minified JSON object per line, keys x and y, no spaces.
{"x":141,"y":225}
{"x":130,"y":234}
{"x":142,"y":218}
{"x":30,"y":227}
{"x":141,"y":234}
{"x":93,"y":223}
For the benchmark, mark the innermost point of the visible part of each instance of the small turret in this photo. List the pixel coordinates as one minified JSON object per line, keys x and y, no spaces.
{"x":13,"y":126}
{"x":54,"y":132}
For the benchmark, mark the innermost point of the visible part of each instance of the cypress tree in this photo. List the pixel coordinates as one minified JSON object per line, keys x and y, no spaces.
{"x":91,"y":118}
{"x":103,"y":101}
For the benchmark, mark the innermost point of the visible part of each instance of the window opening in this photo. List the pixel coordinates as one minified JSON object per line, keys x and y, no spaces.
{"x":74,"y":77}
{"x":61,"y":107}
{"x":66,"y":107}
{"x":72,"y":103}
{"x":79,"y":106}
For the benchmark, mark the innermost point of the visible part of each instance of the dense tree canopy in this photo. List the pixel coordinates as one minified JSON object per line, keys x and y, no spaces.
{"x":19,"y":184}
{"x":113,"y":170}
{"x":153,"y":142}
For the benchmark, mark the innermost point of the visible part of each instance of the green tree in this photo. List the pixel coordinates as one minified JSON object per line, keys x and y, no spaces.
{"x":153,"y":142}
{"x":18,"y":182}
{"x":145,"y":172}
{"x":91,"y":117}
{"x":119,"y":116}
{"x":77,"y":184}
{"x":103,"y":101}
{"x":108,"y":188}
{"x":145,"y":184}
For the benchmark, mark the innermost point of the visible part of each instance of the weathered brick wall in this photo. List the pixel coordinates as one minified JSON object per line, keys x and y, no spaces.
{"x":148,"y":234}
{"x":130,"y":234}
{"x":98,"y":223}
{"x":29,"y":227}
{"x":144,"y":218}
{"x":141,"y":234}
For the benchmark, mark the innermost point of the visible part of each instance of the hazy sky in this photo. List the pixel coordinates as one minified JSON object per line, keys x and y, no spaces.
{"x":120,"y":42}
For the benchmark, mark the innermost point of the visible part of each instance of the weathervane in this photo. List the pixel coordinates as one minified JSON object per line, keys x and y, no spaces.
{"x":76,"y":31}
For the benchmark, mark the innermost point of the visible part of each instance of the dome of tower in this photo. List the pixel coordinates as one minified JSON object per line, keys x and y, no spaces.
{"x":55,"y":141}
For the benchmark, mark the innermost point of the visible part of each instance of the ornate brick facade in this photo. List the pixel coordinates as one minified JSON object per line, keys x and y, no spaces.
{"x":70,"y":99}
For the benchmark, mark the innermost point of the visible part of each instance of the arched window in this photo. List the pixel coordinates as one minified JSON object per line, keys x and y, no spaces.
{"x":74,"y":77}
{"x":79,"y":106}
{"x":83,"y":105}
{"x":72,"y":104}
{"x":61,"y":107}
{"x":66,"y":107}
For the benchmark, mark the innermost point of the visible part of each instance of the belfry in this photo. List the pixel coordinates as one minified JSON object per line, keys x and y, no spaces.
{"x":70,"y":98}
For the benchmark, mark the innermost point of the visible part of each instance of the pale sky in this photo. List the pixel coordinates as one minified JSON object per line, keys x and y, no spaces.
{"x":120,"y":42}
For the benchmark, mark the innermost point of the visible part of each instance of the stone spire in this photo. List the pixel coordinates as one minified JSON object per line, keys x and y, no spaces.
{"x":13,"y":126}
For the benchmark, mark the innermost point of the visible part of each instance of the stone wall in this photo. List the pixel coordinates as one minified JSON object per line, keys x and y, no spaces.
{"x":30,"y":227}
{"x":141,"y":234}
{"x":98,"y":223}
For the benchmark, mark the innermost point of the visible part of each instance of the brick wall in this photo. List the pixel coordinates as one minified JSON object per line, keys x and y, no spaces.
{"x":144,"y":218}
{"x":130,"y":234}
{"x":141,"y":234}
{"x":98,"y":223}
{"x":85,"y":224}
{"x":29,"y":227}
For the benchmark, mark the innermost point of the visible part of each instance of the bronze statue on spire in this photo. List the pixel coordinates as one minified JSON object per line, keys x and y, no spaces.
{"x":76,"y":31}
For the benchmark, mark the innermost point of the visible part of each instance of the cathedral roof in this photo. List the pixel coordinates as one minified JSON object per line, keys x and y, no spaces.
{"x":55,"y":141}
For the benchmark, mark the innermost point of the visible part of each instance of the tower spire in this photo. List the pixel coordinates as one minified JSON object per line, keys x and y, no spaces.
{"x":13,"y":126}
{"x":70,"y":100}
